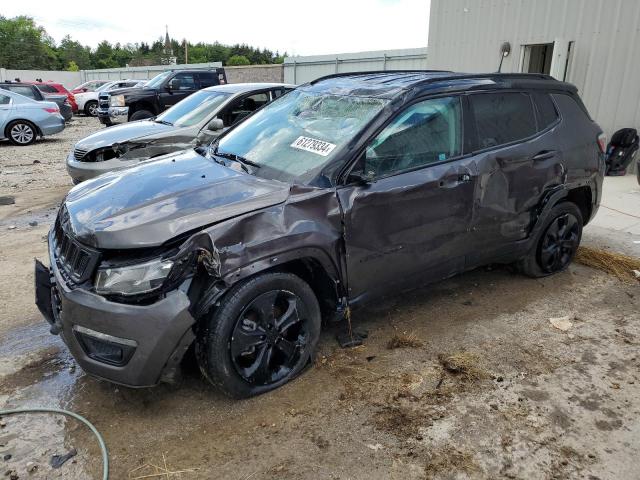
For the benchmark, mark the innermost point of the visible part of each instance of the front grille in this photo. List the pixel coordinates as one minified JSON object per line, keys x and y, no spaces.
{"x":103,"y":100}
{"x":76,"y":262}
{"x":79,"y":154}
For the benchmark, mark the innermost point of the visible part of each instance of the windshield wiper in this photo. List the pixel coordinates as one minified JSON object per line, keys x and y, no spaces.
{"x":164,"y":122}
{"x":237,"y":158}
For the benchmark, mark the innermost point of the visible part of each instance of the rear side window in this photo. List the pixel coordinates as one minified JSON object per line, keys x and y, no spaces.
{"x":502,"y":118}
{"x":208,"y":79}
{"x":545,"y":109}
{"x":22,"y":90}
{"x":572,"y":108}
{"x":4,"y":100}
{"x":47,"y":89}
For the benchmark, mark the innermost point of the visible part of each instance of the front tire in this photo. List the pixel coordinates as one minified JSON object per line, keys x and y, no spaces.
{"x":21,"y":132}
{"x":263,"y":334}
{"x":91,"y":108}
{"x":140,"y":115}
{"x":556,"y":244}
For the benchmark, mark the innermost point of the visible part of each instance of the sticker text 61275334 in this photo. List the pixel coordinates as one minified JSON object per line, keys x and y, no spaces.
{"x":313,"y":145}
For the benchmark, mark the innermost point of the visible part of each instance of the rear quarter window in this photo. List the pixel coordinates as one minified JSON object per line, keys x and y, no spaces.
{"x":502,"y":118}
{"x":545,"y":110}
{"x":208,"y":79}
{"x":571,"y":108}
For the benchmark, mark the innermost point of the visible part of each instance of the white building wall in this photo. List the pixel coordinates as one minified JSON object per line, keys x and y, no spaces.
{"x":299,"y":70}
{"x":68,"y":79}
{"x":466,"y":35}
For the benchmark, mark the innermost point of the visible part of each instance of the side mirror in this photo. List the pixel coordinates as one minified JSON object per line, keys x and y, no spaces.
{"x":216,"y":124}
{"x":174,"y":84}
{"x":359,"y":178}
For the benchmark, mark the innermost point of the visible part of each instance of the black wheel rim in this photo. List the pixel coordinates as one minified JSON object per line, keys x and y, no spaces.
{"x":559,"y":243}
{"x":269,"y":338}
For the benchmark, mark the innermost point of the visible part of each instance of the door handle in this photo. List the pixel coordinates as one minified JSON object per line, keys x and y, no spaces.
{"x":455,"y":180}
{"x":544,"y":155}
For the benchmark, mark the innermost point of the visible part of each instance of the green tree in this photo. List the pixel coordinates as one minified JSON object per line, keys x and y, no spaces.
{"x":73,"y":67}
{"x":238,"y":60}
{"x":25,"y":45}
{"x":71,"y":51}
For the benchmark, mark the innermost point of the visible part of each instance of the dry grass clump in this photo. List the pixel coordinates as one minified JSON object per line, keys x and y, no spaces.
{"x":622,"y":266}
{"x":450,"y":462}
{"x":404,"y":341}
{"x":464,"y":364}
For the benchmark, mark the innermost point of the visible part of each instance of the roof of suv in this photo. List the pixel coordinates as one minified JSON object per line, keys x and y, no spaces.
{"x":245,"y":87}
{"x":389,"y":83}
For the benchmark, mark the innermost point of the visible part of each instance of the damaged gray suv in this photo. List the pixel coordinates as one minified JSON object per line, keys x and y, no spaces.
{"x":348,"y":188}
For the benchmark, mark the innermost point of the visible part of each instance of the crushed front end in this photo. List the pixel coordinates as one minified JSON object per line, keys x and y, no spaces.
{"x":134,"y":340}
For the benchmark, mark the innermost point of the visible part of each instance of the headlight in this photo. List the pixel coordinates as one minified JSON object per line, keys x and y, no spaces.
{"x":134,"y":279}
{"x":116,"y":101}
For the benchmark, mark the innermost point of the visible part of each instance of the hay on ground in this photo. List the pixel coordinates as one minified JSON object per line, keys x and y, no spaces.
{"x":404,"y":341}
{"x":617,"y":264}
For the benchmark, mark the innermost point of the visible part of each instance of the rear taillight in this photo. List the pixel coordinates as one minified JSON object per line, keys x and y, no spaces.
{"x":602,"y":142}
{"x":52,"y":110}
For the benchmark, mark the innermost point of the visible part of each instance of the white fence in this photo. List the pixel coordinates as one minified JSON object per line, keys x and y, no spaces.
{"x":142,"y":73}
{"x":304,"y":69}
{"x":71,"y":79}
{"x":68,"y":79}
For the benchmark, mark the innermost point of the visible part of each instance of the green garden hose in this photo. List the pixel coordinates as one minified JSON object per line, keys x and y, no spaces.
{"x":103,"y":447}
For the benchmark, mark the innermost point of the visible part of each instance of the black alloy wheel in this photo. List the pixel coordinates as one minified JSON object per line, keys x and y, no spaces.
{"x":559,"y":243}
{"x":268,"y":338}
{"x":261,"y":335}
{"x":556,"y":243}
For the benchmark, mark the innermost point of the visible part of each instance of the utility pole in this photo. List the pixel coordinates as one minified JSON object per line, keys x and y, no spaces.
{"x":186,"y":51}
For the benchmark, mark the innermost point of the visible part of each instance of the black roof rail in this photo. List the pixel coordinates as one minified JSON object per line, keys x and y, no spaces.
{"x":454,"y":76}
{"x":373,"y":72}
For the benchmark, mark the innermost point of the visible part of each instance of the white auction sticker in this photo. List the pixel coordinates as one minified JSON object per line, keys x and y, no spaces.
{"x":313,"y":145}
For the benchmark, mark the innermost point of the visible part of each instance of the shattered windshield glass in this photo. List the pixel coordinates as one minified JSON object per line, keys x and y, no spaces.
{"x":294,"y":137}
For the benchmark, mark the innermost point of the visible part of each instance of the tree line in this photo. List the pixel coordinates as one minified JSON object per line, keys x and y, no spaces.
{"x":24,"y":45}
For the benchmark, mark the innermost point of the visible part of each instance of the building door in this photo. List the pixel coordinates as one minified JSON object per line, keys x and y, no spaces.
{"x":548,"y":58}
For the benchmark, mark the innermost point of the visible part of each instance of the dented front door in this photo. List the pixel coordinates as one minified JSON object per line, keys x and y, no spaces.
{"x":410,"y":223}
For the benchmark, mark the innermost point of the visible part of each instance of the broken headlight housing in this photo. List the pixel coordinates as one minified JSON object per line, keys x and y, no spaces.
{"x":133,"y":279}
{"x":116,"y":101}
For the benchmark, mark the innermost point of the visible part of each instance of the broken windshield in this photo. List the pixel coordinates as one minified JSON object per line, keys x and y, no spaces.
{"x":294,"y":137}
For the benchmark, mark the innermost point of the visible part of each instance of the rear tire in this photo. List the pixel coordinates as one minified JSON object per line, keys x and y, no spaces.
{"x":21,"y":132}
{"x":91,"y":108}
{"x":556,"y":243}
{"x":263,"y":334}
{"x":140,"y":115}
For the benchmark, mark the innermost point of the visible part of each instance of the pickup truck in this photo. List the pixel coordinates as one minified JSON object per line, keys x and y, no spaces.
{"x":161,"y":92}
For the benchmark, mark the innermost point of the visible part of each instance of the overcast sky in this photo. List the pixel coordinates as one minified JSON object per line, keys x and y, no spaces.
{"x":298,"y":27}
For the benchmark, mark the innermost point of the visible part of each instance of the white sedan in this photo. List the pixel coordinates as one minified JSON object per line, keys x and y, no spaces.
{"x":88,"y":101}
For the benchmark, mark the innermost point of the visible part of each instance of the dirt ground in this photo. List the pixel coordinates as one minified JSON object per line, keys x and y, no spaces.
{"x":464,"y":379}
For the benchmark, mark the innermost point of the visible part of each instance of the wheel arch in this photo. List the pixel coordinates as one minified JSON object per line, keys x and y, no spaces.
{"x":12,"y":121}
{"x":142,"y":105}
{"x":312,"y":265}
{"x":580,"y":195}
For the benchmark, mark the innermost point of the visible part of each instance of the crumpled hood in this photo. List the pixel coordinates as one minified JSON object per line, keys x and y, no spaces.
{"x":147,"y":205}
{"x":125,"y":132}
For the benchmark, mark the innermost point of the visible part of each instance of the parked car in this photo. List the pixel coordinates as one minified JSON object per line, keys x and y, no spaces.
{"x":161,"y":92}
{"x":89,"y":86}
{"x":32,"y":92}
{"x":22,"y":119}
{"x":345,"y":189}
{"x":88,"y":101}
{"x":194,"y":121}
{"x":52,"y":88}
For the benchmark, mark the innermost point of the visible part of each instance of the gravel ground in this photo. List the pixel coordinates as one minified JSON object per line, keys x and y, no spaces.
{"x":466,"y":379}
{"x":42,"y":165}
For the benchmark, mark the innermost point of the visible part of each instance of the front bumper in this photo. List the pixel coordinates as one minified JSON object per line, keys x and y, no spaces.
{"x":81,"y":171}
{"x":132,"y":345}
{"x":113,"y":115}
